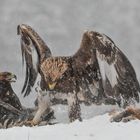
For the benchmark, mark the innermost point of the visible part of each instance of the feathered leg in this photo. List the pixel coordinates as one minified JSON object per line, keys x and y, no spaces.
{"x":74,"y":108}
{"x":43,"y":104}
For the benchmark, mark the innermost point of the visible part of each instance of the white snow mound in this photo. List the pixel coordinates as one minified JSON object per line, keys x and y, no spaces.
{"x":97,"y":128}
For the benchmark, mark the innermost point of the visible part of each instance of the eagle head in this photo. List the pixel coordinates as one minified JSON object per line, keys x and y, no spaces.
{"x":53,"y":69}
{"x":7,"y":76}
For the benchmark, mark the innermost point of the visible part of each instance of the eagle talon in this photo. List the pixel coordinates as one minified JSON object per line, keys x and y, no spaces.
{"x":31,"y":123}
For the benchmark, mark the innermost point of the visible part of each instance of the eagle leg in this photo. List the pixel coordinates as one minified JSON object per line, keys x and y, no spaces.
{"x":43,"y":109}
{"x":30,"y":123}
{"x":74,"y":108}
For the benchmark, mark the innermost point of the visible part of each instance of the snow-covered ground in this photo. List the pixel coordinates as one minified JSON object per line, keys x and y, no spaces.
{"x":61,"y":24}
{"x":97,"y":128}
{"x":96,"y":125}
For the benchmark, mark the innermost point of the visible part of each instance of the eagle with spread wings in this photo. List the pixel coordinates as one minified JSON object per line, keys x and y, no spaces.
{"x":97,"y":73}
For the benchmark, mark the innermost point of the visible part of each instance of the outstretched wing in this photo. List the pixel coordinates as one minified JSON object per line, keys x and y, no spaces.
{"x":99,"y":58}
{"x":34,"y":50}
{"x":31,"y":69}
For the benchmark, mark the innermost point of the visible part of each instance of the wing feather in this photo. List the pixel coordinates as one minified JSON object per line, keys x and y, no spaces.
{"x":10,"y":108}
{"x":85,"y":65}
{"x":121,"y":73}
{"x":115,"y":75}
{"x":34,"y":51}
{"x":31,"y":70}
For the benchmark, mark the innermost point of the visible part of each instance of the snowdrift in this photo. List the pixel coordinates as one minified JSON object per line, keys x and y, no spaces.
{"x":96,"y":128}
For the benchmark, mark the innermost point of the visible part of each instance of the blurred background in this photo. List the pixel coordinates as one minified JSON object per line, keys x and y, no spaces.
{"x":61,"y":24}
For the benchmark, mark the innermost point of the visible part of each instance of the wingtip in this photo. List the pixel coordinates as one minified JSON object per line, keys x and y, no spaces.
{"x":90,"y":34}
{"x":21,"y":27}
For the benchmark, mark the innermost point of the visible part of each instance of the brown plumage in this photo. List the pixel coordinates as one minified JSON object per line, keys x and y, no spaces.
{"x":7,"y":94}
{"x":97,"y":73}
{"x":11,"y":111}
{"x":10,"y":106}
{"x":126,"y":115}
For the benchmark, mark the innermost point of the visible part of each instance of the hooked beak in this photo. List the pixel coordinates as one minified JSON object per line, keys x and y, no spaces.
{"x":52,"y":85}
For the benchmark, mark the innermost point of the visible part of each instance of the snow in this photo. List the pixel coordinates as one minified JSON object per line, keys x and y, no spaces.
{"x":61,"y":24}
{"x":96,"y":125}
{"x":96,"y":128}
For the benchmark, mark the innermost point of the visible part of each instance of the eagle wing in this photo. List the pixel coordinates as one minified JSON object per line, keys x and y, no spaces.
{"x":31,"y":69}
{"x":10,"y":108}
{"x":99,"y":58}
{"x":34,"y":50}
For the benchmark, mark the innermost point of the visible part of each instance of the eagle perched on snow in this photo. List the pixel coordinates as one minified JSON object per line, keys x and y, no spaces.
{"x":97,"y":73}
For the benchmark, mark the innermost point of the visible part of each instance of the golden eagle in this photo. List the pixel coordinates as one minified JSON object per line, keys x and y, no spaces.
{"x":10,"y":106}
{"x":97,"y":73}
{"x":12,"y":113}
{"x":7,"y":94}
